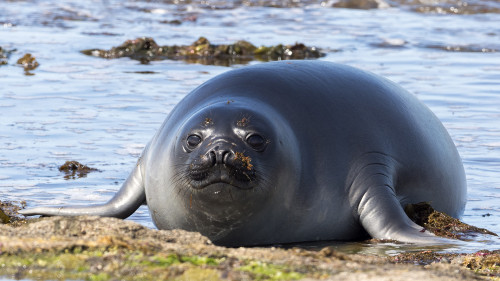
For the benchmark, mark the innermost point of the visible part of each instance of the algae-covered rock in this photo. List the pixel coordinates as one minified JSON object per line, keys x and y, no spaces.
{"x":93,"y":248}
{"x":202,"y":51}
{"x":74,"y":169}
{"x":442,"y":224}
{"x":485,"y":263}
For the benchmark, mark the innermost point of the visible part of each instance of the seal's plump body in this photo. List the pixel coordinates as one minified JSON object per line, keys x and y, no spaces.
{"x":293,"y":151}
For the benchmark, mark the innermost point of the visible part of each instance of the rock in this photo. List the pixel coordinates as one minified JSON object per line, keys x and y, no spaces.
{"x":361,"y":4}
{"x":110,"y":249}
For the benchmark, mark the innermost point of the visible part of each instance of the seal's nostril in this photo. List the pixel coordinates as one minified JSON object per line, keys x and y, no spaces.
{"x":225,"y":155}
{"x":219,"y":155}
{"x":213,"y":158}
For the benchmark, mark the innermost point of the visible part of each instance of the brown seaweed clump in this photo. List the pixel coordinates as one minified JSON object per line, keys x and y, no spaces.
{"x":74,"y":169}
{"x":9,"y":212}
{"x":3,"y":217}
{"x":4,"y":55}
{"x":484,"y":262}
{"x":245,"y":160}
{"x":286,"y":52}
{"x":28,"y":62}
{"x":442,"y":224}
{"x":145,"y":49}
{"x":243,"y":122}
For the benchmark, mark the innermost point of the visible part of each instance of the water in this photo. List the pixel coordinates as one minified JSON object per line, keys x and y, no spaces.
{"x":102,"y":112}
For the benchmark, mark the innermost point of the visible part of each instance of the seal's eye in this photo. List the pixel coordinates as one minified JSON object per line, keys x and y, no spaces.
{"x":193,"y":141}
{"x":256,"y":141}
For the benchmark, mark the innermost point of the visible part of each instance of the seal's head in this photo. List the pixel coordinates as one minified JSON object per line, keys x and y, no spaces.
{"x":224,"y":149}
{"x":222,"y":154}
{"x":229,"y":160}
{"x":228,"y":151}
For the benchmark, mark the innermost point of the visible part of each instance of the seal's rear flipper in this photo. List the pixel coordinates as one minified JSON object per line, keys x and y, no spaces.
{"x":128,"y":199}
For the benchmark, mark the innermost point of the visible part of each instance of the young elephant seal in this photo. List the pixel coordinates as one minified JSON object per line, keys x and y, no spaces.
{"x":292,"y":151}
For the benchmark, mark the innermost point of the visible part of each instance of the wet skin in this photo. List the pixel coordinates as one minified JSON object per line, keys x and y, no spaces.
{"x":293,"y":151}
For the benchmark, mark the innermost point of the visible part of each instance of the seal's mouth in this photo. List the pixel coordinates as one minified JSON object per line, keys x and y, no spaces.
{"x":202,"y":176}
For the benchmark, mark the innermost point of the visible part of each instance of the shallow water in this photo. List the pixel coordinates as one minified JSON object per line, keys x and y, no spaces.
{"x":102,"y":112}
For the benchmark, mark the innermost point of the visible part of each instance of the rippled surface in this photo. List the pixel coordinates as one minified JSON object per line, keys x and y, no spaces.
{"x":102,"y":112}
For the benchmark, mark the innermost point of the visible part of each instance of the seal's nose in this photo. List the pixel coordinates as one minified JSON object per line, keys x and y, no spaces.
{"x":219,"y":155}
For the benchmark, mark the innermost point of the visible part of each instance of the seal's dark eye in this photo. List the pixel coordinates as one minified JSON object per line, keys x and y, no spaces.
{"x":256,"y":141}
{"x":193,"y":141}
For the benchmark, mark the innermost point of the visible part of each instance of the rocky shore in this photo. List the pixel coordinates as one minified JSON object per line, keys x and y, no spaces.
{"x":94,"y":248}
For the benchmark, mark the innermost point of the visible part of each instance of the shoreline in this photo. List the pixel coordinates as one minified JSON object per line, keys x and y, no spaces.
{"x":95,"y":248}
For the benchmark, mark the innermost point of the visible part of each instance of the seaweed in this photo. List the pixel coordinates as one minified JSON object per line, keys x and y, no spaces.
{"x":28,"y":62}
{"x":145,"y":50}
{"x":9,"y":212}
{"x":74,"y":169}
{"x":442,"y":224}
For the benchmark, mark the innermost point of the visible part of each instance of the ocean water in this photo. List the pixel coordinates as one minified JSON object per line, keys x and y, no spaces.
{"x":102,"y":112}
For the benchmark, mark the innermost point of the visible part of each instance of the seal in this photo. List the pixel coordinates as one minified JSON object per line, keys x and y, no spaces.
{"x":293,"y":151}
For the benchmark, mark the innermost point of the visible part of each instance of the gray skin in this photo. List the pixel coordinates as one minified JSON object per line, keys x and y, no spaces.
{"x":293,"y":151}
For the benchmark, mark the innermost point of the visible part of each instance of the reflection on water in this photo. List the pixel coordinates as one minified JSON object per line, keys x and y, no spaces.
{"x":102,"y":112}
{"x":381,"y":248}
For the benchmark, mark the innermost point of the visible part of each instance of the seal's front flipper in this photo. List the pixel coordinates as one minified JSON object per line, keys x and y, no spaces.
{"x":128,"y":199}
{"x":382,"y":216}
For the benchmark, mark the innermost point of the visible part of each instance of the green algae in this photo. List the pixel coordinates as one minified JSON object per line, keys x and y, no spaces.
{"x":112,"y":264}
{"x":265,"y":271}
{"x":171,"y":259}
{"x":202,"y":51}
{"x":198,"y":260}
{"x":103,"y":264}
{"x":199,"y":274}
